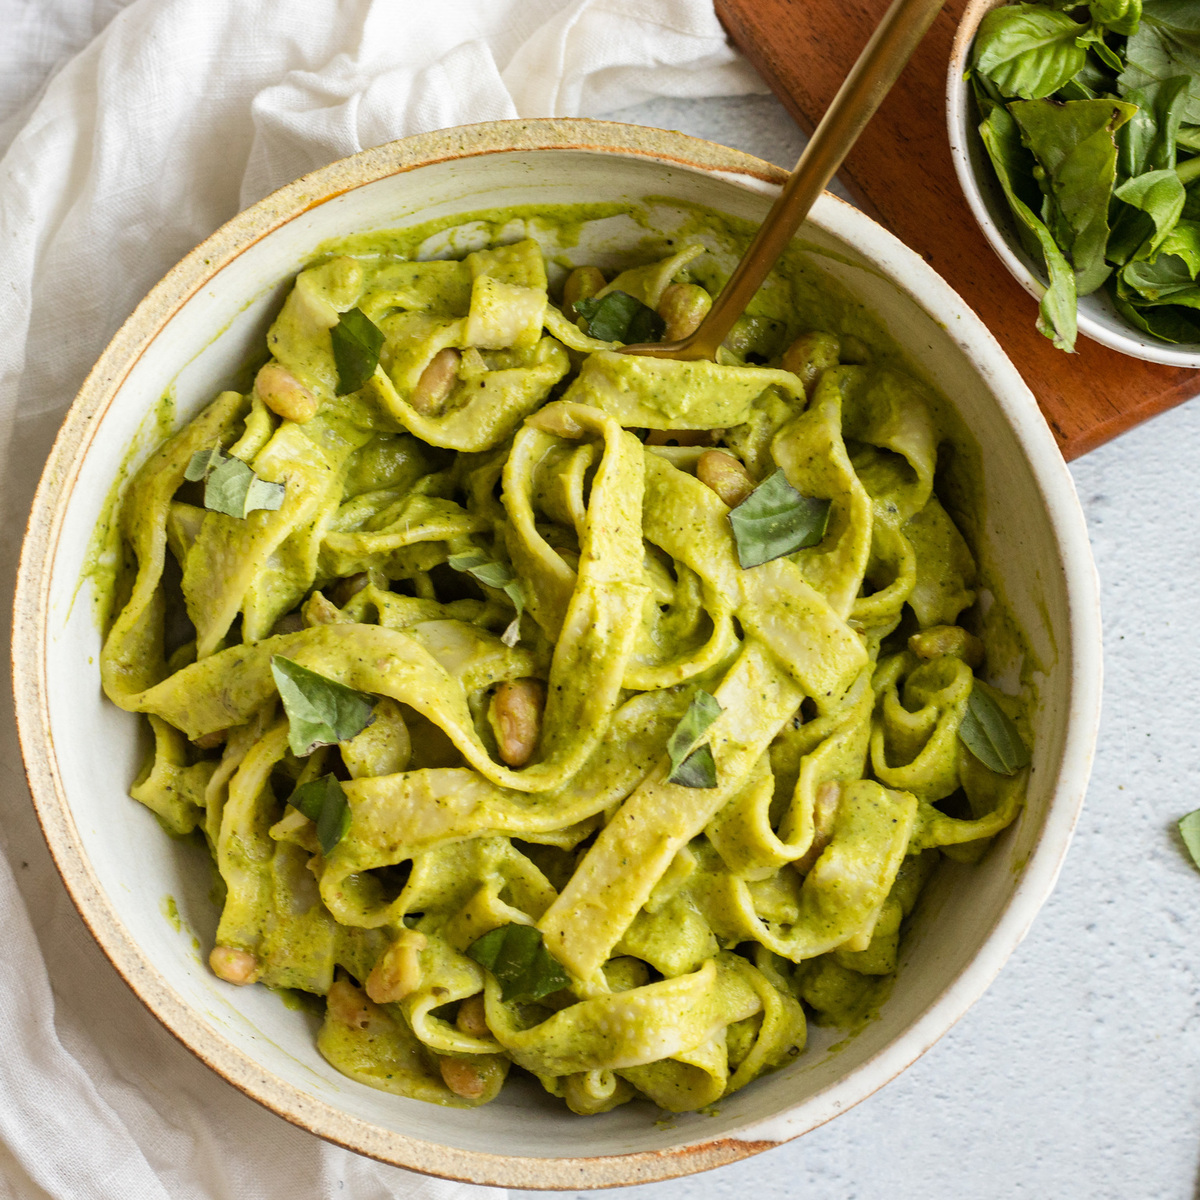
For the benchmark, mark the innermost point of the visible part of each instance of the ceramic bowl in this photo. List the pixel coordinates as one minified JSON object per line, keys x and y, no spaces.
{"x":1098,"y":316}
{"x":191,"y":334}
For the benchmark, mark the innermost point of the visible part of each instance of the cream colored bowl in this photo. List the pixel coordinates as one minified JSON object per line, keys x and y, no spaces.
{"x":189,"y":336}
{"x":1098,"y":316}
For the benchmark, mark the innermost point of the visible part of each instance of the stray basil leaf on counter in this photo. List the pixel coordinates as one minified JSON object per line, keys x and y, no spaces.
{"x":775,"y":520}
{"x":1189,"y":830}
{"x":697,"y":769}
{"x":495,"y":575}
{"x":320,"y":710}
{"x":324,"y":801}
{"x":230,"y":486}
{"x":620,"y":317}
{"x":357,"y":341}
{"x":989,"y":733}
{"x":517,"y":956}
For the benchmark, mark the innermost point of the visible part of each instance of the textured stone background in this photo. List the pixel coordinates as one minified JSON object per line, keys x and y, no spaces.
{"x":1077,"y":1073}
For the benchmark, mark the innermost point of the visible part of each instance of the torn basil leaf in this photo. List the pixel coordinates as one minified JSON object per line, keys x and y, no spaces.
{"x":697,"y":769}
{"x":620,"y":317}
{"x":1189,"y":830}
{"x":230,"y":486}
{"x":320,"y":710}
{"x":357,"y":341}
{"x":324,"y":801}
{"x":775,"y":520}
{"x":989,"y":733}
{"x":1027,"y":50}
{"x":517,"y":956}
{"x":495,"y":575}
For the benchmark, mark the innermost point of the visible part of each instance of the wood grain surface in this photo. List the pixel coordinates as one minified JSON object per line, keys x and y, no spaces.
{"x":901,"y":173}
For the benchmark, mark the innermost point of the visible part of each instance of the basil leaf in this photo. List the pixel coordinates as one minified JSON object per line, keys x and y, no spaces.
{"x":1189,"y":830}
{"x":1170,"y":278}
{"x":357,"y":341}
{"x":1121,"y":16}
{"x":775,"y":520}
{"x":320,"y":710}
{"x":1150,"y":139}
{"x":517,"y":956}
{"x":1027,"y":50}
{"x":1149,"y":207}
{"x":698,"y":770}
{"x":495,"y":575}
{"x":324,"y":801}
{"x":1168,"y":323}
{"x":202,"y":462}
{"x":1057,"y":308}
{"x":1075,"y":147}
{"x":230,"y":486}
{"x":1165,"y":46}
{"x":1093,"y":39}
{"x":989,"y":733}
{"x":620,"y":317}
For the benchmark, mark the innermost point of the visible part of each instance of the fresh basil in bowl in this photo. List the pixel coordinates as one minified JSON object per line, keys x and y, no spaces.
{"x":1075,"y":132}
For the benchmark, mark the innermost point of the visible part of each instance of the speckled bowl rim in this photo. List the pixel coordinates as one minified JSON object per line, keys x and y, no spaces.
{"x":1003,"y":240}
{"x":30,"y":644}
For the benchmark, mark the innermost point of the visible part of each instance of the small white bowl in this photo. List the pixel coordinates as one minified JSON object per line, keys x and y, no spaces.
{"x":191,"y":334}
{"x":1098,"y":316}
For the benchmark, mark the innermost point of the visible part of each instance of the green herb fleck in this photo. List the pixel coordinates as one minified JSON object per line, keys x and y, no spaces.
{"x":1189,"y":830}
{"x":696,"y":769}
{"x":320,"y":710}
{"x":775,"y":520}
{"x":989,"y":733}
{"x":517,"y":956}
{"x":620,"y":317}
{"x":357,"y":341}
{"x":324,"y":801}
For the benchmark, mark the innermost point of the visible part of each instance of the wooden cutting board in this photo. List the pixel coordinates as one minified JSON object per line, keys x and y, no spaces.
{"x":900,"y":171}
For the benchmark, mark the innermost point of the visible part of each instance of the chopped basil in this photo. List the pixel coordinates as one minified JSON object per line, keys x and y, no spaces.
{"x":320,"y":710}
{"x":230,"y":486}
{"x":495,"y":575}
{"x":517,"y":956}
{"x":1189,"y":830}
{"x":775,"y":520}
{"x":357,"y":341}
{"x":323,"y":801}
{"x":697,"y":769}
{"x":620,"y":317}
{"x":989,"y":733}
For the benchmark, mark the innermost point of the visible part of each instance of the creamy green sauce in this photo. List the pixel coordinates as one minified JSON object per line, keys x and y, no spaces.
{"x":835,"y":735}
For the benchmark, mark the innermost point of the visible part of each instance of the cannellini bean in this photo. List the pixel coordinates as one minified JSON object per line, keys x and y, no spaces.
{"x":825,"y":805}
{"x":582,"y":284}
{"x":233,"y":965}
{"x":472,"y":1018}
{"x":725,"y":475}
{"x":462,"y":1077}
{"x":348,"y":1005}
{"x":683,"y":306}
{"x":292,"y":622}
{"x":810,"y":355}
{"x":317,"y":610}
{"x":517,"y":719}
{"x":398,"y":972}
{"x":346,"y":589}
{"x":436,"y":382}
{"x":210,"y":741}
{"x":284,"y":394}
{"x":951,"y":640}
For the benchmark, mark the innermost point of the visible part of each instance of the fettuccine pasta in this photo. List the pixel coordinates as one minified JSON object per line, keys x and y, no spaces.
{"x":620,"y":811}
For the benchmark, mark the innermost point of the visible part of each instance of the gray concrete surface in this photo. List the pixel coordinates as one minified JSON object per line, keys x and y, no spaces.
{"x":1078,"y":1073}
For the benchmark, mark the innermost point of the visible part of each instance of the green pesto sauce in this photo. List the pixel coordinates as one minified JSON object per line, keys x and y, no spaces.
{"x":104,"y":559}
{"x":170,"y":910}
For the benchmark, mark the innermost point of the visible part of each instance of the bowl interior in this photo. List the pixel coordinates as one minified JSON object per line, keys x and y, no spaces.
{"x":1098,"y":316}
{"x":129,"y":878}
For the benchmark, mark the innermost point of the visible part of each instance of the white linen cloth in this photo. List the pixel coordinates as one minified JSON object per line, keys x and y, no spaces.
{"x":172,"y":116}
